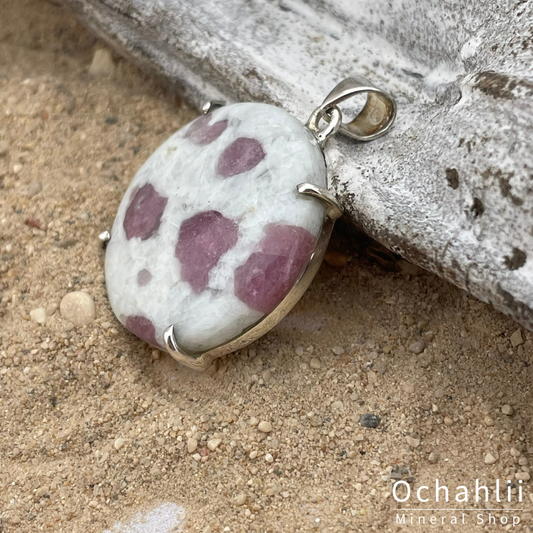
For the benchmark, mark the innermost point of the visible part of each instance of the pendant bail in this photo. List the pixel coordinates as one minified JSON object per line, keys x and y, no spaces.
{"x":375,"y":119}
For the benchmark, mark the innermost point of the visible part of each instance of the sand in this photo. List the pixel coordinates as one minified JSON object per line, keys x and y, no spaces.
{"x":96,"y":426}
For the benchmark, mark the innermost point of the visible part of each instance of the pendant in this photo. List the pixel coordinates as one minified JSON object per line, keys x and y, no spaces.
{"x":224,"y":227}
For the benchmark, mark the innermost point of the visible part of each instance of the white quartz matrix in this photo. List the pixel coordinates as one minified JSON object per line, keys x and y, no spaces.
{"x":211,"y":234}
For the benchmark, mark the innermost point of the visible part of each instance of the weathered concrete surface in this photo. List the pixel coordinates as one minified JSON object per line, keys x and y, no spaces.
{"x":450,"y":188}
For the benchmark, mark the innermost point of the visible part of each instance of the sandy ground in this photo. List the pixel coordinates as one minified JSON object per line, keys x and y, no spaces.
{"x":69,"y":145}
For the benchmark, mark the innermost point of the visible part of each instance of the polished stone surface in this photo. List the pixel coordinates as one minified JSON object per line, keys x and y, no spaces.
{"x":211,"y":233}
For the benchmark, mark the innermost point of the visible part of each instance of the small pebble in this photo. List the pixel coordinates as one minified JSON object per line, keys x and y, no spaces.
{"x":316,"y":421}
{"x":17,"y":168}
{"x":213,"y":444}
{"x":34,"y":223}
{"x":4,"y":148}
{"x":192,"y":444}
{"x":299,"y":350}
{"x":269,"y":458}
{"x":413,"y":440}
{"x":265,"y":427}
{"x":522,"y":476}
{"x":448,"y":421}
{"x":514,"y":452}
{"x":488,"y":421}
{"x":119,"y":443}
{"x":239,"y":500}
{"x":433,"y":457}
{"x":337,"y":350}
{"x":38,"y":315}
{"x":33,"y":188}
{"x":102,"y":64}
{"x":337,"y":406}
{"x":395,"y":475}
{"x":315,"y":363}
{"x":516,"y":338}
{"x":254,"y":421}
{"x":425,"y":360}
{"x":78,"y":307}
{"x":51,"y":309}
{"x":369,"y":420}
{"x":507,"y":410}
{"x":418,"y":347}
{"x":490,"y":459}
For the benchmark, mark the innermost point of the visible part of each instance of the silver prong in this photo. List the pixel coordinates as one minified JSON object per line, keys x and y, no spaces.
{"x":104,"y":237}
{"x":171,"y":343}
{"x":333,"y":210}
{"x":198,"y":361}
{"x":211,"y":106}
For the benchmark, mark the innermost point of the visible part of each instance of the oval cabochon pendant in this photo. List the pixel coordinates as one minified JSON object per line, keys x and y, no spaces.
{"x":213,"y":236}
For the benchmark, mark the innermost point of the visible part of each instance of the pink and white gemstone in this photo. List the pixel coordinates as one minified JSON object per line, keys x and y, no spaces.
{"x":211,"y":234}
